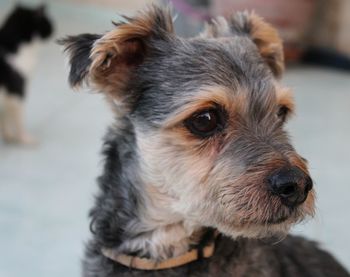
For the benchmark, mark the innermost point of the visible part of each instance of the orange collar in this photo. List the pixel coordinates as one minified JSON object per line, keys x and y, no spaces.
{"x":149,"y":264}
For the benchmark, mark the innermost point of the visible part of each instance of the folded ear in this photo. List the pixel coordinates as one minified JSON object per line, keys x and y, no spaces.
{"x":79,"y":51}
{"x":262,"y":34}
{"x":108,"y":61}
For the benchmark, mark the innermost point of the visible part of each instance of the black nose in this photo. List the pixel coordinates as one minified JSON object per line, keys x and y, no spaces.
{"x":291,"y":185}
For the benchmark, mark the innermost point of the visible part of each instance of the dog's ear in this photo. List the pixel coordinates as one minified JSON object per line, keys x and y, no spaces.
{"x":118,"y":52}
{"x":108,"y":61}
{"x":79,"y":51}
{"x":264,"y":36}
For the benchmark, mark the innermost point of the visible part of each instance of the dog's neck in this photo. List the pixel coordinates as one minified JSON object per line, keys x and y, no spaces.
{"x":159,"y":233}
{"x":144,"y":223}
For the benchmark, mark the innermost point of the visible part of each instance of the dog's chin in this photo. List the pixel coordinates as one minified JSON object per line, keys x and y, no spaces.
{"x":274,"y":222}
{"x":278,"y":226}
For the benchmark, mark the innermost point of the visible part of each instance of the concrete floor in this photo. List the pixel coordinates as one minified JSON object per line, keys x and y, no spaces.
{"x":46,"y":191}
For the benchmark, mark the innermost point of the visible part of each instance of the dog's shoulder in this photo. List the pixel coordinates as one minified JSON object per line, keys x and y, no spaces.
{"x":309,"y":256}
{"x":294,"y":256}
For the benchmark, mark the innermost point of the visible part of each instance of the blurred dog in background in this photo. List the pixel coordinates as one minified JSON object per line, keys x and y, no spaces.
{"x":20,"y":36}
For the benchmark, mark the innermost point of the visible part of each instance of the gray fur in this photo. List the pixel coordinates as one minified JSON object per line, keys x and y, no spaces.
{"x":166,"y":76}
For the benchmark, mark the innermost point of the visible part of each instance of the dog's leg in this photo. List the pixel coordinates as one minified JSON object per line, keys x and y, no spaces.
{"x":14,"y":121}
{"x":2,"y":114}
{"x":6,"y":128}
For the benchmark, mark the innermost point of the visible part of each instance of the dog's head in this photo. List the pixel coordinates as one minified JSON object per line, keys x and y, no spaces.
{"x":26,"y":22}
{"x":208,"y":116}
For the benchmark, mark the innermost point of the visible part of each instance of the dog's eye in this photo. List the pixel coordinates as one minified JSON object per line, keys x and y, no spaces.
{"x":205,"y":123}
{"x":282,"y":112}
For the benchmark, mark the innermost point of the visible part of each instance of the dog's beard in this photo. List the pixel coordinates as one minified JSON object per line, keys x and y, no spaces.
{"x":274,"y":225}
{"x":250,"y":210}
{"x":258,"y":231}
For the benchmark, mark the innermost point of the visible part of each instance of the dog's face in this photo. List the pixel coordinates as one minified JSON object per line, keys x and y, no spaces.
{"x":208,"y":115}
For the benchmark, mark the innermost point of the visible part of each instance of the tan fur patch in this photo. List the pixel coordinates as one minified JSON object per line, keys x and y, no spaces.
{"x":262,"y":33}
{"x":285,"y":98}
{"x":12,"y":121}
{"x":269,"y":43}
{"x":206,"y":99}
{"x":202,"y":150}
{"x":118,"y":51}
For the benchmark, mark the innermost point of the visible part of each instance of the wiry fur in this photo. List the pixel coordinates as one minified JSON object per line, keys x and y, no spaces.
{"x":263,"y":35}
{"x":162,"y":186}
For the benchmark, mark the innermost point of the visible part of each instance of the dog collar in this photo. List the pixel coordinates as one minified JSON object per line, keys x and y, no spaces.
{"x":150,"y":264}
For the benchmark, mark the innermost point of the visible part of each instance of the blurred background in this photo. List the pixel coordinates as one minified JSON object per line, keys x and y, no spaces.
{"x":46,"y":190}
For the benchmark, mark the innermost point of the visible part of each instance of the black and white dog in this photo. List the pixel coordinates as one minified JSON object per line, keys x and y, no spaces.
{"x":20,"y":36}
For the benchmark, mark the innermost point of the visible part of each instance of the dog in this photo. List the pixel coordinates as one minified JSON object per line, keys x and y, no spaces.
{"x":199,"y":171}
{"x":20,"y":36}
